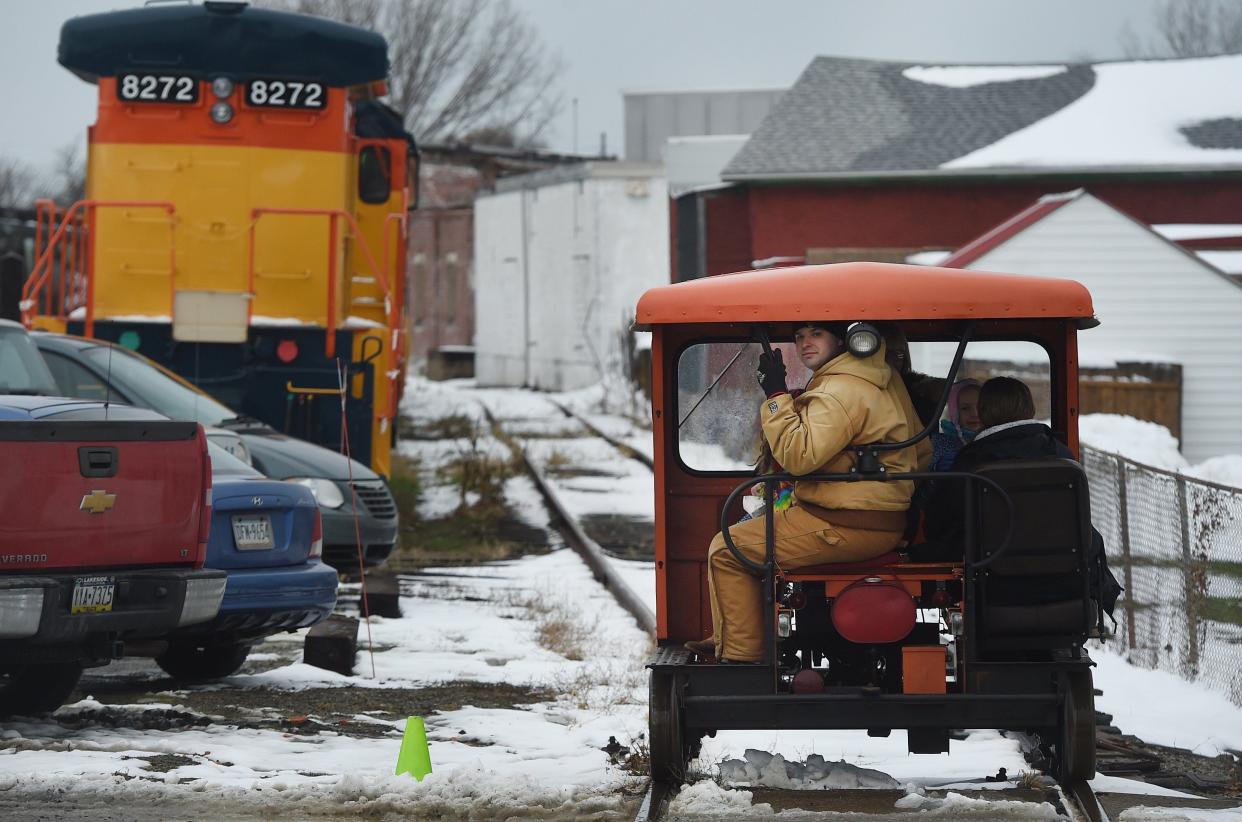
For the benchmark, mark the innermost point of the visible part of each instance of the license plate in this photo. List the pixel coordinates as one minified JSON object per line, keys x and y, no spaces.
{"x":253,"y":532}
{"x":92,"y":595}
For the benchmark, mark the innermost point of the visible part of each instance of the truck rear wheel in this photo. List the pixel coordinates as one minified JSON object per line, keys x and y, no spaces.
{"x":37,"y":689}
{"x":185,"y":660}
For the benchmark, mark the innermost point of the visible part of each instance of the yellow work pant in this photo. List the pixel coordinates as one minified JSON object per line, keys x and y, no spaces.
{"x":800,"y":539}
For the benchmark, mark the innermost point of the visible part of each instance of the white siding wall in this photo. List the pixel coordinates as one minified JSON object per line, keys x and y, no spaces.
{"x":1152,"y":298}
{"x":499,"y":302}
{"x":593,"y":246}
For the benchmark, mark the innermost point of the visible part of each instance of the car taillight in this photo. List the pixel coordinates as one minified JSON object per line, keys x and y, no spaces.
{"x":204,"y":516}
{"x":316,"y":549}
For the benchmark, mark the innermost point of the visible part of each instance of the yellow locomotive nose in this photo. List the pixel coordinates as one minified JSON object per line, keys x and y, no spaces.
{"x":234,"y":204}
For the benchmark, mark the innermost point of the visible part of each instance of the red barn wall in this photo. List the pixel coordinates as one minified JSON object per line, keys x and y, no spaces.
{"x":787,"y":220}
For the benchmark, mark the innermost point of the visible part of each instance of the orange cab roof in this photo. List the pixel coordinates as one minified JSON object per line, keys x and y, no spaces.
{"x":861,"y":291}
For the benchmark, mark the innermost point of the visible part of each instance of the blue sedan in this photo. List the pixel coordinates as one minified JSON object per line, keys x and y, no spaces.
{"x":268,"y":535}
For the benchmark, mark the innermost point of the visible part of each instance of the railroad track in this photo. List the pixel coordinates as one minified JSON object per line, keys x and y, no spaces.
{"x":1078,"y":795}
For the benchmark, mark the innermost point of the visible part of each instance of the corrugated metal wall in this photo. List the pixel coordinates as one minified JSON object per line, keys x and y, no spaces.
{"x":558,"y":268}
{"x":653,"y":117}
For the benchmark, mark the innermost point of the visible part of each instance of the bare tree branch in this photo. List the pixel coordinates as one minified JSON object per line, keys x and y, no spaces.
{"x":1189,"y":28}
{"x":68,"y":181}
{"x":18,"y":183}
{"x":458,"y":66}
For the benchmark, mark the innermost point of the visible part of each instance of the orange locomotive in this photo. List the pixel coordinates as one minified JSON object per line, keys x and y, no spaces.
{"x":245,"y":214}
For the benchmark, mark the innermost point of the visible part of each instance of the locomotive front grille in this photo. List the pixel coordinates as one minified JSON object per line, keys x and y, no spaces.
{"x":374,"y":495}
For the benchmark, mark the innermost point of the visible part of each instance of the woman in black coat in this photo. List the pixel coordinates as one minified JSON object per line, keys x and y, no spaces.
{"x":1010,"y":432}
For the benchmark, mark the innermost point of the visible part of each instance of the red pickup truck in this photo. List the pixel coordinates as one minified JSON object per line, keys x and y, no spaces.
{"x":102,"y":540}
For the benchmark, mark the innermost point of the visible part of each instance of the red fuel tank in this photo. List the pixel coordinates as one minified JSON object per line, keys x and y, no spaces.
{"x":873,"y":610}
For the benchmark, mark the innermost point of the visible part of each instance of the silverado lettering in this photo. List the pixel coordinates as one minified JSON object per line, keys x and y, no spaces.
{"x":22,"y":558}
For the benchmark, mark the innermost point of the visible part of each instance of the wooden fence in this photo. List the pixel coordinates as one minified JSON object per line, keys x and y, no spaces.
{"x":1146,"y":391}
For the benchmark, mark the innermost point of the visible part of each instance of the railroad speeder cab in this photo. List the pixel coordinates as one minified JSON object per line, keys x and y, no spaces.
{"x":962,"y":657}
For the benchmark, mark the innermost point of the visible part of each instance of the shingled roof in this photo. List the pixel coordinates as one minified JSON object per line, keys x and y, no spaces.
{"x":848,"y":117}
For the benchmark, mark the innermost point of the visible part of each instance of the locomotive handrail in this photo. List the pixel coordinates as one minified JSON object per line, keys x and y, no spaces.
{"x":42,"y":268}
{"x":332,"y":214}
{"x":769,"y":480}
{"x":397,"y":330}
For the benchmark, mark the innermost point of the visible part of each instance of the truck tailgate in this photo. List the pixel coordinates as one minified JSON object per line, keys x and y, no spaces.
{"x":117,"y":494}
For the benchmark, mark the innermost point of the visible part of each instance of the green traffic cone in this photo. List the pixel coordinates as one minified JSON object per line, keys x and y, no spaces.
{"x":414,"y":758}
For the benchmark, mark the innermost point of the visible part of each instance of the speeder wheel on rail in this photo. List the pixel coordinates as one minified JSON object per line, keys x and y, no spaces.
{"x":1074,"y":752}
{"x":671,"y":746}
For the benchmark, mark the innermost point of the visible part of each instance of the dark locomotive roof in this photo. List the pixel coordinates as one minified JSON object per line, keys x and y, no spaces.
{"x":231,"y":39}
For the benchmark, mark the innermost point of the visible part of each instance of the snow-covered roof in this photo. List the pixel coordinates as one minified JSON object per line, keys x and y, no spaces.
{"x":1229,"y":261}
{"x":847,"y":117}
{"x":1224,"y":263}
{"x":1178,"y":232}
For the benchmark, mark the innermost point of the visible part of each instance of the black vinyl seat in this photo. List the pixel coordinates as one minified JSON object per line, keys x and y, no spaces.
{"x":1035,"y":593}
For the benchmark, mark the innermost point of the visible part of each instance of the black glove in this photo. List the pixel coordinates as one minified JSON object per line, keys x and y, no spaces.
{"x":771,"y":373}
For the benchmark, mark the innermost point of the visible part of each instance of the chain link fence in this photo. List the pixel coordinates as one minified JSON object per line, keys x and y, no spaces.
{"x":1175,"y":543}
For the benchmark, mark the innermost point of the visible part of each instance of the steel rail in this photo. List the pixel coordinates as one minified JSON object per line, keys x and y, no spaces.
{"x":626,"y":450}
{"x":577,"y":539}
{"x":1085,"y":801}
{"x":658,"y":793}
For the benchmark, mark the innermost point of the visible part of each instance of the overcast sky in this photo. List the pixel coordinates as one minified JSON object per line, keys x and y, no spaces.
{"x":614,"y":45}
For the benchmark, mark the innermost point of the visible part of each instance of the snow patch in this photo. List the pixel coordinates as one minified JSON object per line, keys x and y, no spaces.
{"x":1142,"y":813}
{"x":1197,"y":231}
{"x":1226,"y":470}
{"x":1162,"y":708}
{"x":708,"y":798}
{"x":1132,"y":116}
{"x":967,"y":76}
{"x":957,"y":806}
{"x":1138,"y":440}
{"x":928,"y":257}
{"x":816,"y":773}
{"x":1229,"y":262}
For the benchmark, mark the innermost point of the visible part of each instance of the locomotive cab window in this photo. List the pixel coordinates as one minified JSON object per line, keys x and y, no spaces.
{"x":374,"y":174}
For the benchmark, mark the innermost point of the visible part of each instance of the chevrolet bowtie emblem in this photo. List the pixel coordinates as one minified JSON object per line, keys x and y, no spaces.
{"x":98,"y":501}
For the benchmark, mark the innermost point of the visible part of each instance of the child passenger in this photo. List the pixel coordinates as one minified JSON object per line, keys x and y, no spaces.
{"x":958,"y":424}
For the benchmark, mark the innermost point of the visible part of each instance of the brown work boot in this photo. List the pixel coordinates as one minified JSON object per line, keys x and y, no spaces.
{"x":702,"y":647}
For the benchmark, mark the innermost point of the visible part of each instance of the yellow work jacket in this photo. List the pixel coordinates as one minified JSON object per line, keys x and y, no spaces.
{"x":848,"y":401}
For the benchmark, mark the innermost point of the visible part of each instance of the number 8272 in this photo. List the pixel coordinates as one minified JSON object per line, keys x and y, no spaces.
{"x":285,"y":94}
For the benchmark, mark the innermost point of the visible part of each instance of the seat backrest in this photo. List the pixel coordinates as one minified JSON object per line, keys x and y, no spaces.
{"x":1036,"y":592}
{"x":1052,"y":517}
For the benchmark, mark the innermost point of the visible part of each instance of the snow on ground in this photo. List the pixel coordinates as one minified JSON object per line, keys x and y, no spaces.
{"x":1164,"y":709}
{"x":1151,"y":444}
{"x":1138,"y":440}
{"x":481,"y":624}
{"x":485,"y":760}
{"x":1146,"y":814}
